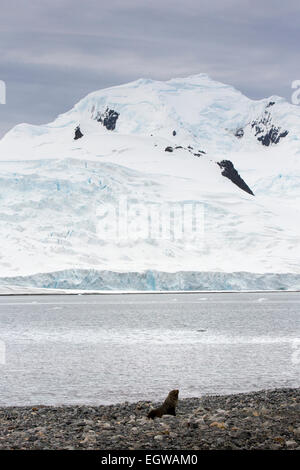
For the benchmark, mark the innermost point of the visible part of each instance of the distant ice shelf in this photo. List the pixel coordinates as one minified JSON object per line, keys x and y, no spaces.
{"x":151,"y":281}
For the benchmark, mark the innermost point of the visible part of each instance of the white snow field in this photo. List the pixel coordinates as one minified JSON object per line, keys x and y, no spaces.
{"x":53,"y":186}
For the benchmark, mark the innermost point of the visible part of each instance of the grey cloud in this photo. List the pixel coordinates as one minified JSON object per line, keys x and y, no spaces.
{"x":54,"y":52}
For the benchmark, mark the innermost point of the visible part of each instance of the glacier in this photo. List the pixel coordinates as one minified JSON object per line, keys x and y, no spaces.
{"x":89,"y":280}
{"x":54,"y":181}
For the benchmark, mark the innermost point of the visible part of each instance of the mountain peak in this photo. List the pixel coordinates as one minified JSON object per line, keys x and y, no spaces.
{"x":185,"y":140}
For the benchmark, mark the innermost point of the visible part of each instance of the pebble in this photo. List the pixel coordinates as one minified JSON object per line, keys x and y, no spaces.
{"x":258,"y":420}
{"x":291,"y":443}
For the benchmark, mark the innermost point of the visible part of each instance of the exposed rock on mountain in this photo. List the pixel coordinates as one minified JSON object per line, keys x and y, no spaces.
{"x":230,"y":172}
{"x":78,"y":133}
{"x":239,"y":133}
{"x":265,"y":131}
{"x":108,"y":118}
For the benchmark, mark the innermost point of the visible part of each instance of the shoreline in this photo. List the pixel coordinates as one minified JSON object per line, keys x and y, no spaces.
{"x":266,"y":419}
{"x":71,"y":292}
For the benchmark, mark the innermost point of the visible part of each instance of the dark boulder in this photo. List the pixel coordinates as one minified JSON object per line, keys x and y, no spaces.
{"x":169,"y":149}
{"x":174,"y":133}
{"x":78,"y":133}
{"x":239,"y":133}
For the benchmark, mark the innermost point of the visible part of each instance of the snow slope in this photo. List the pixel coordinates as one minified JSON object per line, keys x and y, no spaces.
{"x":53,"y":186}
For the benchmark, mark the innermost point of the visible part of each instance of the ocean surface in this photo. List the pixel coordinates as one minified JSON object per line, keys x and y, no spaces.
{"x":103,"y":349}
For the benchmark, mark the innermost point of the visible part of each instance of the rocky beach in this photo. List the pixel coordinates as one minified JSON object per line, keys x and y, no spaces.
{"x":259,"y":420}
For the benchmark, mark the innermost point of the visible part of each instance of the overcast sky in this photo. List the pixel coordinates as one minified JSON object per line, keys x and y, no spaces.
{"x":54,"y":52}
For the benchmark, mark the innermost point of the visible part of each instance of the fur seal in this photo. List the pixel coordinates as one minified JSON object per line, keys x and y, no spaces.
{"x":167,"y":408}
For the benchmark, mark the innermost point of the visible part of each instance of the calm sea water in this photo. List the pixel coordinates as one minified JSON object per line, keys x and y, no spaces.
{"x":112,"y":348}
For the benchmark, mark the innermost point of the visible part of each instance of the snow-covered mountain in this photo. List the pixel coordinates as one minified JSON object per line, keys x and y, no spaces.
{"x":188,"y":140}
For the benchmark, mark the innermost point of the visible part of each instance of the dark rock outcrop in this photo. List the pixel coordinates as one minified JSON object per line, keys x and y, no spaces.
{"x":108,"y":118}
{"x":78,"y":133}
{"x":201,"y":152}
{"x":273,"y":136}
{"x":271,"y":103}
{"x":265,"y":131}
{"x":190,"y":149}
{"x":239,"y":133}
{"x":230,"y":172}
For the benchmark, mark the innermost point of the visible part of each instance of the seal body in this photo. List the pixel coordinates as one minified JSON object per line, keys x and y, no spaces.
{"x":167,"y":408}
